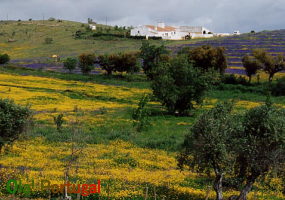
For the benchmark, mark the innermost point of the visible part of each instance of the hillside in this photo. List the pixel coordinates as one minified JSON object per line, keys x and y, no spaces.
{"x":29,"y":40}
{"x":238,"y":46}
{"x":27,"y":43}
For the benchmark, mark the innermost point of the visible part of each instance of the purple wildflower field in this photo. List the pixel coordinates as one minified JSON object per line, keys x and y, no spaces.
{"x":238,"y":46}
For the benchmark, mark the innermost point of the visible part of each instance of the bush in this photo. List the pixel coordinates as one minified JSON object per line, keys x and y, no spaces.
{"x":4,"y":58}
{"x":137,"y":37}
{"x":105,"y":62}
{"x":270,"y":64}
{"x":207,"y":57}
{"x":86,"y":63}
{"x":140,"y":115}
{"x":152,"y":56}
{"x":48,"y":40}
{"x":13,"y":121}
{"x":154,"y":38}
{"x":233,"y":79}
{"x":278,"y":88}
{"x":126,"y":62}
{"x":78,"y":34}
{"x":251,"y":66}
{"x":122,"y":62}
{"x":58,"y":120}
{"x":177,"y":85}
{"x":70,"y":64}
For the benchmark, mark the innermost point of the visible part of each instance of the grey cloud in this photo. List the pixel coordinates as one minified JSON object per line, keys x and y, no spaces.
{"x":217,"y":15}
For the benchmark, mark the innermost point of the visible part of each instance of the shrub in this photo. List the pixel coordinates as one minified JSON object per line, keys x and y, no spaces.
{"x":177,"y":85}
{"x":126,"y":62}
{"x":58,"y":120}
{"x":48,"y":40}
{"x":154,"y":38}
{"x":278,"y":88}
{"x":51,"y":19}
{"x":70,"y":64}
{"x":270,"y":64}
{"x":138,"y":37}
{"x":122,"y":62}
{"x":78,"y":34}
{"x":152,"y":56}
{"x":86,"y":63}
{"x":207,"y":57}
{"x":251,"y":66}
{"x":233,"y":79}
{"x":4,"y":58}
{"x":105,"y":61}
{"x":13,"y":121}
{"x":140,"y":115}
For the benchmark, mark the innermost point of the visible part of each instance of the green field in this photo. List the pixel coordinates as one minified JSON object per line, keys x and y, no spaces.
{"x":29,"y":40}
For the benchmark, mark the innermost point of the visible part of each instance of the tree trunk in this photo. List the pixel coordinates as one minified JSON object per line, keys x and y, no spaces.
{"x":249,"y":79}
{"x":109,"y":72}
{"x":218,"y":186}
{"x":270,"y":78}
{"x":247,"y":188}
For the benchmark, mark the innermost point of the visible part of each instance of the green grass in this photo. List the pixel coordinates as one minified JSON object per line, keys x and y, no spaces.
{"x":167,"y":131}
{"x":29,"y":40}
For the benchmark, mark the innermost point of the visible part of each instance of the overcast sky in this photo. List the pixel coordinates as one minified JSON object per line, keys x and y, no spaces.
{"x":217,"y":15}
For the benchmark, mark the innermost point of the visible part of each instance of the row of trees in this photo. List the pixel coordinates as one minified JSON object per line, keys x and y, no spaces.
{"x":120,"y":62}
{"x":243,"y":147}
{"x":262,"y":60}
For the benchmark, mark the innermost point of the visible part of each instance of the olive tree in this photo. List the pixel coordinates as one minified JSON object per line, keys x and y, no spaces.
{"x":13,"y":121}
{"x":86,"y":63}
{"x":105,"y":62}
{"x":208,"y":146}
{"x":151,"y":56}
{"x":251,"y":66}
{"x":270,"y":64}
{"x":70,"y":64}
{"x":177,"y":85}
{"x":207,"y":57}
{"x":261,"y":144}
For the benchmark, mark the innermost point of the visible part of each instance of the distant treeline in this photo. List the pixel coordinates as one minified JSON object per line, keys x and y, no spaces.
{"x":100,"y":35}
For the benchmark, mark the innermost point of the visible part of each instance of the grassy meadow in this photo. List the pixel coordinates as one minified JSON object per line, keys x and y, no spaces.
{"x":98,"y":132}
{"x":29,"y":40}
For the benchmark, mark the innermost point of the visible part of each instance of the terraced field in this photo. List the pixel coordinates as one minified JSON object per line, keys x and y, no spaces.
{"x":238,"y":46}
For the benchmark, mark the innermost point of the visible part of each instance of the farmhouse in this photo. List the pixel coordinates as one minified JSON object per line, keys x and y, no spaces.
{"x":92,"y":26}
{"x":171,"y":32}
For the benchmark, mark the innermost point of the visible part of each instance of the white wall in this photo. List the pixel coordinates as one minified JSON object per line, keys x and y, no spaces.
{"x":171,"y":35}
{"x":142,"y":31}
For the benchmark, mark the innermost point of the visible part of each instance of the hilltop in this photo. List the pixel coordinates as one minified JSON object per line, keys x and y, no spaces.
{"x":27,"y":39}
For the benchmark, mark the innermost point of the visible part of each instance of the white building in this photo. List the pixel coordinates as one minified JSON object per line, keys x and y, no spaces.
{"x":92,"y":27}
{"x":171,"y":32}
{"x":236,"y":33}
